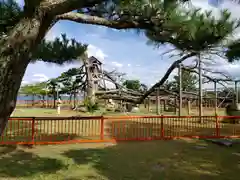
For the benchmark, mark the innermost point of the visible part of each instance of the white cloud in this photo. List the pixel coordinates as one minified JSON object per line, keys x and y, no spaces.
{"x":51,"y":35}
{"x":110,"y":85}
{"x":116,"y":64}
{"x":96,"y":52}
{"x":40,"y":78}
{"x":24,"y":83}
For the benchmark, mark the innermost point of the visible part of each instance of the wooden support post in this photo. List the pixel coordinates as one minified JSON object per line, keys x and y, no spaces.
{"x":216,"y":98}
{"x":189,"y":107}
{"x":164,"y":105}
{"x":102,"y":128}
{"x":200,"y":89}
{"x":157,"y":102}
{"x":236,"y":92}
{"x":175,"y":103}
{"x":149,"y":101}
{"x":180,"y":89}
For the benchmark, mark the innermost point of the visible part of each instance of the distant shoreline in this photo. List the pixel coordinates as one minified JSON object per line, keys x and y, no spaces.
{"x":25,"y":98}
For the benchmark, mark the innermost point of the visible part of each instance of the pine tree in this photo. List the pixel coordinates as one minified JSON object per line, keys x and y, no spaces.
{"x":196,"y":34}
{"x":189,"y":81}
{"x":22,"y":33}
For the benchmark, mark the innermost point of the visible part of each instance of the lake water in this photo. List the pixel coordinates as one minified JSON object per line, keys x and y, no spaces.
{"x":25,"y":98}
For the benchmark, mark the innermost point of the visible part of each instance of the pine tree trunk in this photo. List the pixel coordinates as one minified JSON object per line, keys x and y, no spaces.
{"x":70,"y":100}
{"x":54,"y":96}
{"x":15,"y":55}
{"x":54,"y":100}
{"x":90,"y":83}
{"x":74,"y":100}
{"x":33,"y":100}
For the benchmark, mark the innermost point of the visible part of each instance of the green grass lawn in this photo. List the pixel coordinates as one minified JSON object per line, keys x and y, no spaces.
{"x":41,"y":112}
{"x":36,"y":112}
{"x":156,"y":160}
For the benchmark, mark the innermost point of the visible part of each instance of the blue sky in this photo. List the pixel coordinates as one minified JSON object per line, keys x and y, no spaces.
{"x":125,"y":51}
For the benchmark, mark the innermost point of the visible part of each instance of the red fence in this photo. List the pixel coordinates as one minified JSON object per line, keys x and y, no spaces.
{"x":59,"y":130}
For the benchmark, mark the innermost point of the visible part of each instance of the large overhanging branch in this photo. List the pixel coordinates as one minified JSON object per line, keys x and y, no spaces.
{"x":165,"y":77}
{"x":111,"y":79}
{"x":56,"y":7}
{"x":114,"y":91}
{"x":133,"y":98}
{"x":141,"y":97}
{"x":87,"y":19}
{"x":119,"y":88}
{"x":130,"y":99}
{"x":120,"y":92}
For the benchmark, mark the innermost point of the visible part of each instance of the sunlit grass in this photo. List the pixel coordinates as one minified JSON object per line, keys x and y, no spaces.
{"x":36,"y":112}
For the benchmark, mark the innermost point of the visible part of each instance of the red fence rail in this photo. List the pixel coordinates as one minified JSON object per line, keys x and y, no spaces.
{"x":60,"y":130}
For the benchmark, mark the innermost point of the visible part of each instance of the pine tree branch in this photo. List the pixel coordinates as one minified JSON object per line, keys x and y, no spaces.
{"x":59,"y":51}
{"x":56,"y":7}
{"x":87,"y":19}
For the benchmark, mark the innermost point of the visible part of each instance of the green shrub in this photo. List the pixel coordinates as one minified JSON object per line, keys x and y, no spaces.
{"x":90,"y":106}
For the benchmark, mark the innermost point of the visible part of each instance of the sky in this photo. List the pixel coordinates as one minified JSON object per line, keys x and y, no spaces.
{"x":124,"y":51}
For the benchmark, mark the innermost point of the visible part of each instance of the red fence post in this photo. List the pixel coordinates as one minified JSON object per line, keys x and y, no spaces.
{"x":162,"y":128}
{"x":33,"y":130}
{"x":217,"y":126}
{"x":102,"y":128}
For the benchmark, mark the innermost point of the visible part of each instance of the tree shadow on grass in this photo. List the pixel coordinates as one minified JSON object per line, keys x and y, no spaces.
{"x":4,"y":149}
{"x":40,"y":138}
{"x":159,"y":160}
{"x":15,"y":162}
